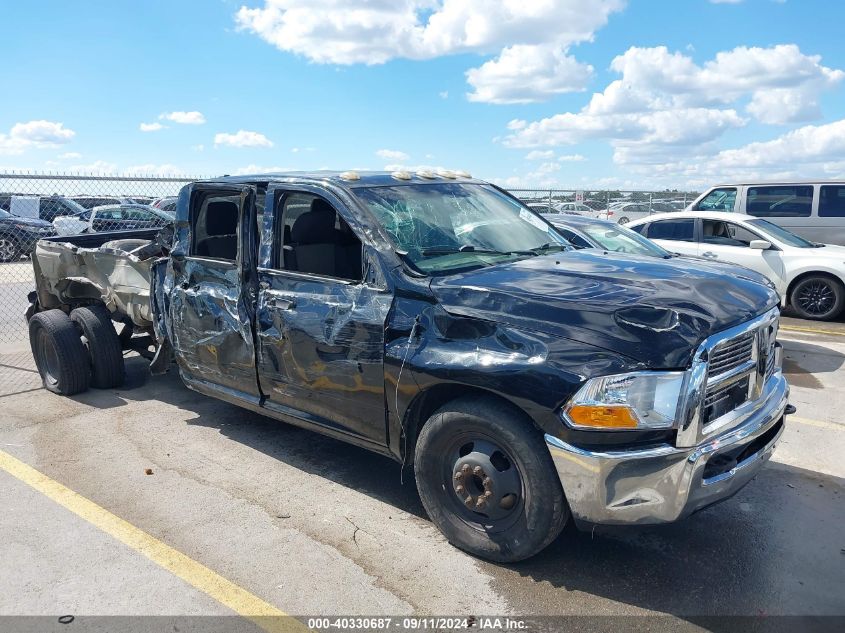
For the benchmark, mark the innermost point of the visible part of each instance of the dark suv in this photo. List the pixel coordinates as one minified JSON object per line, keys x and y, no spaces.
{"x":18,"y":235}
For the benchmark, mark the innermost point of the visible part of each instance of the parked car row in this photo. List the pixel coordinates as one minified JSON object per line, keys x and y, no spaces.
{"x":112,"y":217}
{"x":48,"y":208}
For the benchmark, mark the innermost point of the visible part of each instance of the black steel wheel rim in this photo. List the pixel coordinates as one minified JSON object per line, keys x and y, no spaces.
{"x":483,"y":482}
{"x":816,"y":297}
{"x":49,"y":357}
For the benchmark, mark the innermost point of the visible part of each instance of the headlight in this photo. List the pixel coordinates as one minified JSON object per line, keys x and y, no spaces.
{"x":639,"y":400}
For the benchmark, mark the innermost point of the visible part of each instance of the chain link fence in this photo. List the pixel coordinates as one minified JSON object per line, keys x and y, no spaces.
{"x":621,"y":203}
{"x":33,"y":206}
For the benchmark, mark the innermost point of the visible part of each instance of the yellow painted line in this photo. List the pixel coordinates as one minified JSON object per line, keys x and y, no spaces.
{"x":822,"y":425}
{"x":227,"y":593}
{"x":796,"y":328}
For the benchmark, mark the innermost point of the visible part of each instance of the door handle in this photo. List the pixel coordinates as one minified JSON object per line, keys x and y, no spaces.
{"x":282,"y":303}
{"x":709,"y":254}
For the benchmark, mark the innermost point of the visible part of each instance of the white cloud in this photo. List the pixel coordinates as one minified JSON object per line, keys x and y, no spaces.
{"x":526,"y":74}
{"x":571,"y":158}
{"x":185,"y":118}
{"x":151,"y":127}
{"x":392,"y":154}
{"x":34,"y":134}
{"x":242,"y":138}
{"x":153,"y":169}
{"x":538,"y":32}
{"x":811,"y":151}
{"x":259,"y":169}
{"x":97,"y":167}
{"x":666,"y":105}
{"x":70,"y":156}
{"x":538,"y":154}
{"x":444,"y":94}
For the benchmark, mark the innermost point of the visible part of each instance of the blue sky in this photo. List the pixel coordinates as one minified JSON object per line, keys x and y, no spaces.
{"x":569,"y":93}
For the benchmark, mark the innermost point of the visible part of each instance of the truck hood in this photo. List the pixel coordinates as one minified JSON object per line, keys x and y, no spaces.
{"x":655,"y":311}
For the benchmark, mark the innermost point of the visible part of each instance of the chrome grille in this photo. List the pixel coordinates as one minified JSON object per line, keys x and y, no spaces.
{"x":731,"y":354}
{"x":737,"y":370}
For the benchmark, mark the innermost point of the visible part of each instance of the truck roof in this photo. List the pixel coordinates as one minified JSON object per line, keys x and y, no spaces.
{"x":354,"y":179}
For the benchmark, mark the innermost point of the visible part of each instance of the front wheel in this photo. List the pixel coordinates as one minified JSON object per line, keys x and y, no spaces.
{"x":487,"y":480}
{"x":10,"y":251}
{"x":623,"y":220}
{"x":819,"y":298}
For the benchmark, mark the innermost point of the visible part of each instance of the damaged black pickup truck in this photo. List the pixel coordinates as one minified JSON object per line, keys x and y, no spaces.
{"x":435,"y":319}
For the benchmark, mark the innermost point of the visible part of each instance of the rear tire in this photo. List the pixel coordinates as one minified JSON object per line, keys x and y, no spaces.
{"x":817,"y":297}
{"x":623,"y":220}
{"x":60,"y":357}
{"x":474,"y":449}
{"x":103,"y":345}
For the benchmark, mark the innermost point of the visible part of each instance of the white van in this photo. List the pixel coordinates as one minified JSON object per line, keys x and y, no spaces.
{"x":815,"y":210}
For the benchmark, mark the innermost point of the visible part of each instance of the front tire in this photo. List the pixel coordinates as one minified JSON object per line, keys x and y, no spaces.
{"x":10,"y":250}
{"x":819,"y":298}
{"x":60,"y":357}
{"x":623,"y":220}
{"x":487,"y":480}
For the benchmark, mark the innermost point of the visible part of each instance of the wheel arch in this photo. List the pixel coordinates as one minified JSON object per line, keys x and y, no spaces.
{"x":810,"y":273}
{"x":425,"y":403}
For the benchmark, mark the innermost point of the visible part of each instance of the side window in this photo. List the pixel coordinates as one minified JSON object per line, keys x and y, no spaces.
{"x":718,"y":200}
{"x":316,"y":240}
{"x":214,"y":219}
{"x":573,"y":238}
{"x":678,"y":230}
{"x":780,"y":202}
{"x":641,"y":229}
{"x":726,"y":233}
{"x":832,"y":201}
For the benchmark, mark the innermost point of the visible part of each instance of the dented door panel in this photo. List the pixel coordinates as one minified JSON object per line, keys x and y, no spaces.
{"x":320,"y":350}
{"x":212,"y":302}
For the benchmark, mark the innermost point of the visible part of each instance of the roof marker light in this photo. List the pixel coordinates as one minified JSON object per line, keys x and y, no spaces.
{"x":425,"y":173}
{"x":401,"y":175}
{"x":350,"y":175}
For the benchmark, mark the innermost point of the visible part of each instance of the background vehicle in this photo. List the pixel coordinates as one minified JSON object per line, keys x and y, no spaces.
{"x":89,"y":202}
{"x":112,"y":218}
{"x":438,"y":321}
{"x":19,"y":235}
{"x":47,"y":208}
{"x":576,"y":207}
{"x":808,"y":276}
{"x":624,"y":212}
{"x":813,"y":210}
{"x":583,"y":232}
{"x":168,"y":205}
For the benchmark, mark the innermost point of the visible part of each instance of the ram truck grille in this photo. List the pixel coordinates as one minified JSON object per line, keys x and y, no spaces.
{"x":736,"y":371}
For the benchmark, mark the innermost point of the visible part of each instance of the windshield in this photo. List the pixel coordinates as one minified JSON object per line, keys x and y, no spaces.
{"x":441,"y":228}
{"x":622,"y":240}
{"x":781,"y":234}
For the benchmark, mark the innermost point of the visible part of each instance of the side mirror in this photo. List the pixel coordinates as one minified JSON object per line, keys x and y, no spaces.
{"x":760,"y":245}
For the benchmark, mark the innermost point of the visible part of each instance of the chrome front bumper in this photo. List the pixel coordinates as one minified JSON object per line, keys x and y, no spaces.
{"x":666,"y":483}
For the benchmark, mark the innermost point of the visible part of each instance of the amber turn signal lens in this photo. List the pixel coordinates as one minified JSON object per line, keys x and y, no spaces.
{"x":603,"y":417}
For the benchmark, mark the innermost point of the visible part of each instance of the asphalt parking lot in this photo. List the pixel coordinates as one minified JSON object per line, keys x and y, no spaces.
{"x":205,"y":508}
